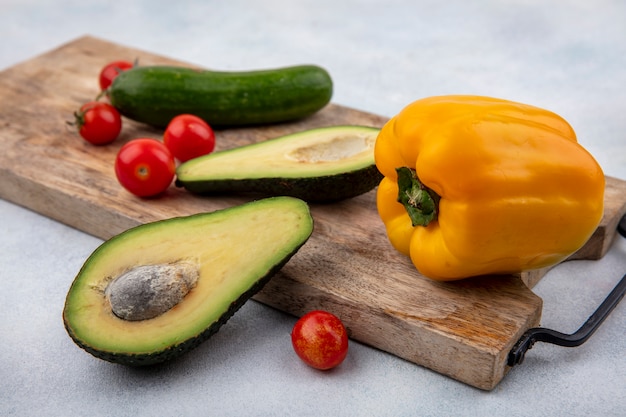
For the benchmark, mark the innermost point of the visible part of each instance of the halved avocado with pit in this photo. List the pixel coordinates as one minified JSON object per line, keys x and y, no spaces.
{"x":158,"y":290}
{"x":317,"y":165}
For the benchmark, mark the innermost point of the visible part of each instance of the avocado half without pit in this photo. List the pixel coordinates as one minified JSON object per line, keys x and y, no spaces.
{"x":158,"y":290}
{"x":317,"y":165}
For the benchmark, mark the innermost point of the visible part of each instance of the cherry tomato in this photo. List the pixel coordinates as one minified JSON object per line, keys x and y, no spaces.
{"x":98,"y":123}
{"x":110,"y":71}
{"x":188,"y":136}
{"x":320,"y":339}
{"x":145,"y":167}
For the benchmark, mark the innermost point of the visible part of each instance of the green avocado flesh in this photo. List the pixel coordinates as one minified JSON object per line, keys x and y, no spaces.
{"x":158,"y":290}
{"x":316,"y":165}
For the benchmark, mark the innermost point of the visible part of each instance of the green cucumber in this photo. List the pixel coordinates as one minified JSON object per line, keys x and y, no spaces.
{"x":156,"y":94}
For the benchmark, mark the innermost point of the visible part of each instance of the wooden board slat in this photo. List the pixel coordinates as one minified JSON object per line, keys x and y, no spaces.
{"x":463,"y":330}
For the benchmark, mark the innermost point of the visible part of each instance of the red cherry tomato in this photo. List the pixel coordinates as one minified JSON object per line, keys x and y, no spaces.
{"x":98,"y":123}
{"x":188,"y":136}
{"x":145,"y":167}
{"x":110,"y":71}
{"x":320,"y":339}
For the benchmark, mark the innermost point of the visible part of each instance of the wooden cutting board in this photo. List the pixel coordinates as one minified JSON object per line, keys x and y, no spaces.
{"x":464,"y":330}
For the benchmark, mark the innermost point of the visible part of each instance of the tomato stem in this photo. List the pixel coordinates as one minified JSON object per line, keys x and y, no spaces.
{"x":421,"y":203}
{"x":102,"y":93}
{"x":79,"y":120}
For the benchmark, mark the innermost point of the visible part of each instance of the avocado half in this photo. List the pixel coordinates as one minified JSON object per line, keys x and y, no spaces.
{"x":158,"y":290}
{"x":317,"y":165}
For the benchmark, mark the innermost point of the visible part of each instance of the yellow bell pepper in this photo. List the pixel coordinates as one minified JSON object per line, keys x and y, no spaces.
{"x":478,"y":186}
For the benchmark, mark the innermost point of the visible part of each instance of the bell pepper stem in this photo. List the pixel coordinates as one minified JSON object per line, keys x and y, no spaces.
{"x":421,"y":203}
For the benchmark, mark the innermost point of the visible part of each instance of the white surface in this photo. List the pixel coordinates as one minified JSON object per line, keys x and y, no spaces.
{"x":566,"y":56}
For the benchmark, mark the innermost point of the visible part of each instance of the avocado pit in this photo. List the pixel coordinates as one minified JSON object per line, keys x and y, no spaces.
{"x":147,"y":291}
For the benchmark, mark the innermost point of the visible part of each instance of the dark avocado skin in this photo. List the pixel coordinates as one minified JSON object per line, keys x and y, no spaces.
{"x":172,"y":352}
{"x":322,"y":189}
